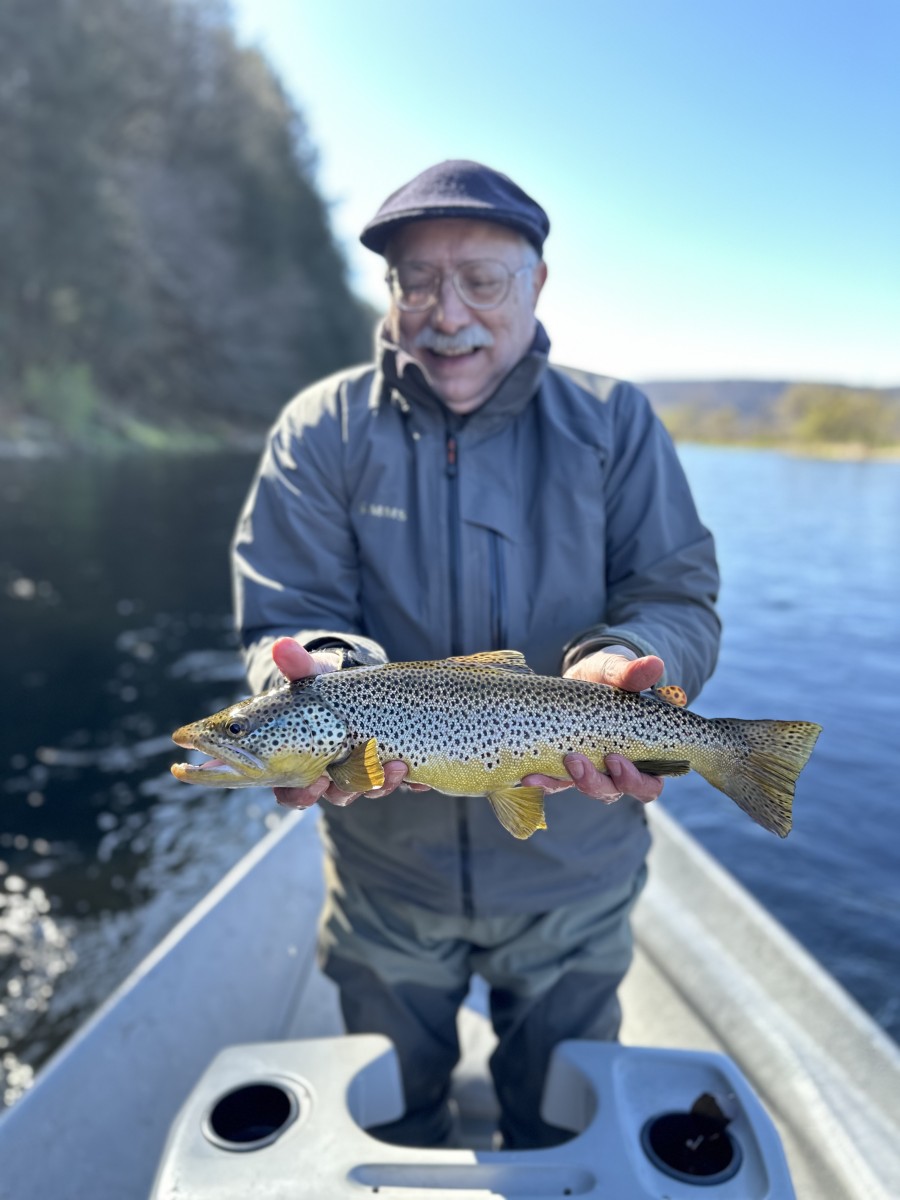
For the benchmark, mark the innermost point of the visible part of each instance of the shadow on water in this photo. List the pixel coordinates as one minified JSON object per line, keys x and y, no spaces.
{"x":114,"y":598}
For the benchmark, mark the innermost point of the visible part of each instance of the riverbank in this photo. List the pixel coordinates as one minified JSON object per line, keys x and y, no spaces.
{"x":29,"y":437}
{"x":34,"y":438}
{"x":831,"y":451}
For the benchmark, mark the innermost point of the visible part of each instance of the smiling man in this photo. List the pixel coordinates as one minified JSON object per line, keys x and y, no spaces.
{"x":463,"y":299}
{"x":462,"y":494}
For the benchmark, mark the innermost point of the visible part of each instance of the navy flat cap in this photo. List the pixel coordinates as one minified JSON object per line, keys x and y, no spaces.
{"x":458,"y":188}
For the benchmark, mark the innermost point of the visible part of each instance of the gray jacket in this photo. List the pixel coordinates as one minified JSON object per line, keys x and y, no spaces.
{"x":553,"y":520}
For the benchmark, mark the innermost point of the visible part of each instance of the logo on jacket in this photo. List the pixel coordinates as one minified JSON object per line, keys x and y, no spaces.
{"x":388,"y":511}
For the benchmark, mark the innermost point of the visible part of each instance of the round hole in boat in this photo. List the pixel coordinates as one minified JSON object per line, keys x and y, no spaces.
{"x":691,"y":1147}
{"x":251,"y":1116}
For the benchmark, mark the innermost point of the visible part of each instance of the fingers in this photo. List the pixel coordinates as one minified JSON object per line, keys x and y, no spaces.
{"x":549,"y":783}
{"x":630,"y":674}
{"x":325,"y":789}
{"x":394,"y":775}
{"x":289,"y":797}
{"x":621,"y":778}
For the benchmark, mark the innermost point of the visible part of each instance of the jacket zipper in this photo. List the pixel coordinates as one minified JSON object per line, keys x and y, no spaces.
{"x":456,"y":647}
{"x":455,"y":548}
{"x":499,"y":631}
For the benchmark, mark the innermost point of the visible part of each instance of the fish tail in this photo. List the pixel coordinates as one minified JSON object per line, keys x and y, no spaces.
{"x":757,"y":764}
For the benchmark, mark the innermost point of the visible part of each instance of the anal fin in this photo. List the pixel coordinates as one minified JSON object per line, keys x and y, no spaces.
{"x":520,"y":810}
{"x":361,"y":770}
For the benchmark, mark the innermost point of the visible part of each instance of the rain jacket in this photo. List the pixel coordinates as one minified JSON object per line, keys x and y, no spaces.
{"x":554,"y":520}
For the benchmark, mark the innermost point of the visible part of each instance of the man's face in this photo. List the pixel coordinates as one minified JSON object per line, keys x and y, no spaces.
{"x":441,"y":337}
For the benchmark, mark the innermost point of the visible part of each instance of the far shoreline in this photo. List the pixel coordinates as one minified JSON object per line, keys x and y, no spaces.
{"x":38,"y":440}
{"x":826,"y":451}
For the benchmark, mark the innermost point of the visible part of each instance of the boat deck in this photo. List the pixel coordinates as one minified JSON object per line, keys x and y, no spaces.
{"x":829,"y":1078}
{"x":712,"y":971}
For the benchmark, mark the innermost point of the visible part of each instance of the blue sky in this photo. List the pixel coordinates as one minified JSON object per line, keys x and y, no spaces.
{"x":722,"y":178}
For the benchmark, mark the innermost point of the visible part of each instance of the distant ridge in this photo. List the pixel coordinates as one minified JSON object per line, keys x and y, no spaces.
{"x":748,"y":397}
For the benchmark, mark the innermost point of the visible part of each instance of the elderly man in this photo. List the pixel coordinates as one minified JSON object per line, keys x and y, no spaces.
{"x":462,"y":494}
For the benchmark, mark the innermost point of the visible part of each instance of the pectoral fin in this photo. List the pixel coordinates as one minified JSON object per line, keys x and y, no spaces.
{"x":655,"y":766}
{"x":361,"y":770}
{"x":520,"y":810}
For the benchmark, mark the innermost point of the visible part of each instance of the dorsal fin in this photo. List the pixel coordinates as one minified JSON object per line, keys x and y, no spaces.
{"x":506,"y":660}
{"x":671,"y":693}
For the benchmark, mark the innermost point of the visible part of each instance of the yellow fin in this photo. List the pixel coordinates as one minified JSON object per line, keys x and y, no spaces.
{"x":361,"y":770}
{"x":761,"y":779}
{"x":520,"y":810}
{"x":508,"y":660}
{"x":672,"y":694}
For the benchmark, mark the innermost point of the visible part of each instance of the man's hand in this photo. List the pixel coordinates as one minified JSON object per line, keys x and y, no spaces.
{"x":295,"y":662}
{"x":632,"y":675}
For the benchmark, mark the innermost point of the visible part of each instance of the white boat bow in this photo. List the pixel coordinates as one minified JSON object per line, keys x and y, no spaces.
{"x":712,"y":972}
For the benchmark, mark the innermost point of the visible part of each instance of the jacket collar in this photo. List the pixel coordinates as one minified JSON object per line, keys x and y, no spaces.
{"x":401,"y":380}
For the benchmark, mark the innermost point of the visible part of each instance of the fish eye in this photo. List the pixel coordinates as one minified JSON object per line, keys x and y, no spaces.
{"x":237,"y":726}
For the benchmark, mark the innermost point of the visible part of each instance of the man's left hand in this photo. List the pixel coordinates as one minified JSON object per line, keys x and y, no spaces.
{"x":621,"y":776}
{"x":295,"y":662}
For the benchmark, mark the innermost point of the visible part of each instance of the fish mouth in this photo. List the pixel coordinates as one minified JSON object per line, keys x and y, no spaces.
{"x":226,"y":765}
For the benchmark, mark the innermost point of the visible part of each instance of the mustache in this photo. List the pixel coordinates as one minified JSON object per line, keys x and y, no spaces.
{"x":472,"y":337}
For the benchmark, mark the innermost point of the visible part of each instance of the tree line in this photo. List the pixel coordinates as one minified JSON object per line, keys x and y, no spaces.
{"x":165,"y":250}
{"x":803,"y":414}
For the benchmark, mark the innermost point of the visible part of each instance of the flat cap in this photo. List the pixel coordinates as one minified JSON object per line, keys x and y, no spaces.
{"x":458,"y":188}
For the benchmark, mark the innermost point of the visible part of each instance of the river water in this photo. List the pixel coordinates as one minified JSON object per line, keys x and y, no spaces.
{"x":114,"y":606}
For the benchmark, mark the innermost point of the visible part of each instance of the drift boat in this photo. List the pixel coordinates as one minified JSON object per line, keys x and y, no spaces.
{"x":144,"y":1100}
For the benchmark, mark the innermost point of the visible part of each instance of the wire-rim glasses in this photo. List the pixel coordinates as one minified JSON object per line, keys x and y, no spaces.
{"x":481,"y":284}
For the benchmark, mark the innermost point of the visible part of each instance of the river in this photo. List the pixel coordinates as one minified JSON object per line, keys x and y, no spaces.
{"x":114,"y":603}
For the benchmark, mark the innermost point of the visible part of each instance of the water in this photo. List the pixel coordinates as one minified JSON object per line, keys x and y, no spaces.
{"x":115,"y":608}
{"x":810,"y":558}
{"x":114,"y":601}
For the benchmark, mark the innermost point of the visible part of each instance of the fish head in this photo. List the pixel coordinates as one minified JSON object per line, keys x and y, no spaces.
{"x":283,"y":738}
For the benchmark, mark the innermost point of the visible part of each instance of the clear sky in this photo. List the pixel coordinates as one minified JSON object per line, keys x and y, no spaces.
{"x":722,"y":177}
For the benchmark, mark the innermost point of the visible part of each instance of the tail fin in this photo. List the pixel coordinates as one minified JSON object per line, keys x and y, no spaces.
{"x":757,"y":765}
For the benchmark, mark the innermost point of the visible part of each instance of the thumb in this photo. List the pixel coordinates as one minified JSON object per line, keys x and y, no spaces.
{"x":630,"y":674}
{"x":293,"y":660}
{"x":638,"y":674}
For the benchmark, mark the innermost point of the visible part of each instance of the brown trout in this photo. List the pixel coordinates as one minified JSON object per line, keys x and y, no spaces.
{"x":476,"y":725}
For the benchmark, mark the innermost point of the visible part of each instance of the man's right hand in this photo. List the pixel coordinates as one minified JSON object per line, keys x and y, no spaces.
{"x":295,"y":662}
{"x":618,"y":667}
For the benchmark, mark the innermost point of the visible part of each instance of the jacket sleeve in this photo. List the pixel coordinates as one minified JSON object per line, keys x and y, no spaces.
{"x":661,"y":574}
{"x":294,"y":558}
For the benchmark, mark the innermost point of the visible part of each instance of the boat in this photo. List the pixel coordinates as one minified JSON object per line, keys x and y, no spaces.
{"x":232,"y":1001}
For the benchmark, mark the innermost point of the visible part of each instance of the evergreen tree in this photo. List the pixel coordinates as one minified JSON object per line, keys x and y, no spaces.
{"x":161,"y":232}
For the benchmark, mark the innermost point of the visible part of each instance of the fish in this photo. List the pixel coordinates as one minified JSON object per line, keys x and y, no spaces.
{"x":476,"y":725}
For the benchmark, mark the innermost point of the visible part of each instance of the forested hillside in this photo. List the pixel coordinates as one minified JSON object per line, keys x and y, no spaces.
{"x":779,"y":413}
{"x":166,"y":255}
{"x":167,"y":267}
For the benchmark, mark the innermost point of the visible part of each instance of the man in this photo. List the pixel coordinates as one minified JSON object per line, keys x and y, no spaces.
{"x":458,"y":495}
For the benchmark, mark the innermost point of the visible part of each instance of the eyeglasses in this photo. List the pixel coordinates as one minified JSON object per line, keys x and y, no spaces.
{"x":481,"y":284}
